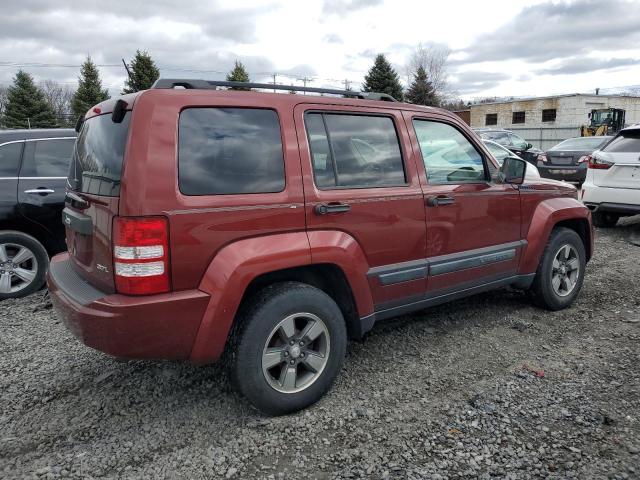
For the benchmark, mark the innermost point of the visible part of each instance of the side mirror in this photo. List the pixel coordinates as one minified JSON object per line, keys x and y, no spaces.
{"x":513,"y":170}
{"x":529,"y":146}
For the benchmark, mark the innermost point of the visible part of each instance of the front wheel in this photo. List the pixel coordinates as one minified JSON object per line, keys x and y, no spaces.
{"x":289,"y":347}
{"x":561,"y":270}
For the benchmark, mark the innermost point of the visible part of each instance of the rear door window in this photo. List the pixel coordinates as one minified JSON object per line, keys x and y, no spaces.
{"x":230,"y":151}
{"x":97,"y":159}
{"x":47,"y":158}
{"x":625,"y":142}
{"x":354,"y":150}
{"x":10,"y":155}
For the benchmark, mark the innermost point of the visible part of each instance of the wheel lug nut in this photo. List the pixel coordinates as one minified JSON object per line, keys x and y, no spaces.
{"x":301,"y":343}
{"x":291,"y":342}
{"x":302,"y":354}
{"x":292,"y":362}
{"x":286,"y":354}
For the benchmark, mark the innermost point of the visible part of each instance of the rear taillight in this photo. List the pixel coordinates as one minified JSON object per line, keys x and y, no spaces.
{"x":542,"y":157}
{"x":584,"y":159}
{"x":599,"y":164}
{"x":141,"y":255}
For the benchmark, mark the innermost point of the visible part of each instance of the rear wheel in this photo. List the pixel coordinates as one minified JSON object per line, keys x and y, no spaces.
{"x":289,"y":347}
{"x":561,"y":270}
{"x":605,"y":219}
{"x":23,"y":264}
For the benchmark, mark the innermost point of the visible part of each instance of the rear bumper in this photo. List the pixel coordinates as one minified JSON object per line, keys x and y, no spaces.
{"x":569,"y":173}
{"x":154,"y":326}
{"x":625,"y":201}
{"x":622,"y":208}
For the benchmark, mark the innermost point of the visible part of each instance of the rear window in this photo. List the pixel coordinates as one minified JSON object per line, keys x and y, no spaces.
{"x":625,"y":142}
{"x":230,"y":150}
{"x":579,"y":144}
{"x":97,"y":158}
{"x":10,"y":159}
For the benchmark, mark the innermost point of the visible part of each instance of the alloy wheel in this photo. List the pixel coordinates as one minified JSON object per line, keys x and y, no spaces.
{"x":565,"y":271}
{"x":18,"y":267}
{"x":296,"y":352}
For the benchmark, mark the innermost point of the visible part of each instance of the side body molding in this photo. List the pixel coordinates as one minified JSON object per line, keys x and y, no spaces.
{"x":547,"y":214}
{"x":227,"y":277}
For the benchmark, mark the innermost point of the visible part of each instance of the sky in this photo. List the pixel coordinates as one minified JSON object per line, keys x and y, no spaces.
{"x":497,"y":48}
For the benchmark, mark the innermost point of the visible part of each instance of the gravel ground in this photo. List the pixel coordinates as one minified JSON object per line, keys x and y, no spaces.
{"x":489,"y":387}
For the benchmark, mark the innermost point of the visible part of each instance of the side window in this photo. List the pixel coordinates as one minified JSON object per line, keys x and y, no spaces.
{"x":230,"y":150}
{"x":518,"y":142}
{"x":10,"y":159}
{"x":447,"y":154}
{"x":47,"y":158}
{"x":354,"y":150}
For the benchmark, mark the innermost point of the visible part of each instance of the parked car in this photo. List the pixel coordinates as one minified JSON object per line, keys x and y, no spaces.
{"x":274,"y":227}
{"x":34,"y":165}
{"x":612,"y":187}
{"x":501,"y":153}
{"x":513,"y":142}
{"x":568,"y":159}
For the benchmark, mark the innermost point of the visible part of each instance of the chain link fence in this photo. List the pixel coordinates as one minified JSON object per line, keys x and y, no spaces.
{"x":546,"y":137}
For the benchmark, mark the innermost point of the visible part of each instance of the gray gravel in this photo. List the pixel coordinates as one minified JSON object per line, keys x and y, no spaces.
{"x":489,"y":387}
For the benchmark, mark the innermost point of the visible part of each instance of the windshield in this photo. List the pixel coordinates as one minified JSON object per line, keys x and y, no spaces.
{"x":98,"y":155}
{"x":586,"y":143}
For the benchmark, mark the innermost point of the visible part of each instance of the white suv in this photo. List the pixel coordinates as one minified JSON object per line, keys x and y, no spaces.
{"x":612,"y":187}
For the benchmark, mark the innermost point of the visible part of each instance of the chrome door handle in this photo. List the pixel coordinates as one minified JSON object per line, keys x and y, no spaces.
{"x":40,"y":190}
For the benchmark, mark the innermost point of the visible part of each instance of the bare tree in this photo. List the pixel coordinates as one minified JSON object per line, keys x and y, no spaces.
{"x":433,"y":58}
{"x":3,"y":100}
{"x":59,"y":96}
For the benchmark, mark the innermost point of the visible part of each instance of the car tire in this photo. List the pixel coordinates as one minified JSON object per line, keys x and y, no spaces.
{"x":29,"y":273}
{"x":276,"y":365}
{"x":561,"y":270}
{"x":605,"y":219}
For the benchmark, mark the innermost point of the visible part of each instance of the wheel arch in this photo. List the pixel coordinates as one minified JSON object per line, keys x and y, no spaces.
{"x":552,"y":213}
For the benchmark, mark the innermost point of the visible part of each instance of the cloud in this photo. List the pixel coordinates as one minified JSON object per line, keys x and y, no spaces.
{"x":474,"y":81}
{"x":555,"y":30}
{"x":341,"y":7}
{"x":584,"y":64}
{"x":333,"y":38}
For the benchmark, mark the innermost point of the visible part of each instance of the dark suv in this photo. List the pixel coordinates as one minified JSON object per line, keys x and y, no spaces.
{"x":34,"y":165}
{"x":274,"y":227}
{"x":513,"y":142}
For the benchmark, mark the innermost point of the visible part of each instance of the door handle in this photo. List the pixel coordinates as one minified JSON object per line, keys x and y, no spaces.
{"x":324,"y":208}
{"x":40,"y":191}
{"x":440,"y":200}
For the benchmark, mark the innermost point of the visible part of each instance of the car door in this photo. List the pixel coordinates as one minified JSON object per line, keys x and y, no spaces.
{"x":360,"y":179}
{"x":473,"y":221}
{"x":42,"y":181}
{"x":10,"y":155}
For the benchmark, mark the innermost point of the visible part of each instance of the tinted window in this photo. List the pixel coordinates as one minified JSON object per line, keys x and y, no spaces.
{"x":97,"y":158}
{"x":448,"y":156}
{"x":230,"y":150}
{"x":364,"y":150}
{"x":625,"y":142}
{"x":49,"y":158}
{"x":10,"y":159}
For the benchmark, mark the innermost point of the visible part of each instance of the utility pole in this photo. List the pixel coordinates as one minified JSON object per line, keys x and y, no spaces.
{"x":347,"y":84}
{"x":274,"y":81}
{"x":304,"y":81}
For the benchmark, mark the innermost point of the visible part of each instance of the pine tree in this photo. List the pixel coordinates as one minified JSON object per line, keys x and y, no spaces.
{"x":26,"y":106}
{"x":90,"y":90}
{"x":238,"y":74}
{"x":421,"y":91}
{"x":382,"y":78}
{"x":143,"y":73}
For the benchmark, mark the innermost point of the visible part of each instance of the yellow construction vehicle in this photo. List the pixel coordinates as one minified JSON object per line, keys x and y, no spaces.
{"x":603,"y":121}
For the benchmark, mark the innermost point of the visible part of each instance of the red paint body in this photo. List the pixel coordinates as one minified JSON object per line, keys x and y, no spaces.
{"x":220,"y":244}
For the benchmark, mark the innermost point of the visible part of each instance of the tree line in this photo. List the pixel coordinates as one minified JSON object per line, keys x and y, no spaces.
{"x":26,"y":104}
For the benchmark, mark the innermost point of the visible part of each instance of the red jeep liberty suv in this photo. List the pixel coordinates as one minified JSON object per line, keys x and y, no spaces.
{"x":273,"y":227}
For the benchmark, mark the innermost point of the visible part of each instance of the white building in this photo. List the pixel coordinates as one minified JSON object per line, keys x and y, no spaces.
{"x":546,"y":120}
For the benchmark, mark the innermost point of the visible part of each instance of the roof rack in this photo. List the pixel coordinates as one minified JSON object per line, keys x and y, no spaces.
{"x":168,"y":83}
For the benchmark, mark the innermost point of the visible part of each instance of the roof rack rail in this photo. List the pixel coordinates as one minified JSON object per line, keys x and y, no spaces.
{"x":168,"y":83}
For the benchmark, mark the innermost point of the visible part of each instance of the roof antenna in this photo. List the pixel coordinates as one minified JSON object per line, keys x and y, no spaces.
{"x":126,"y":67}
